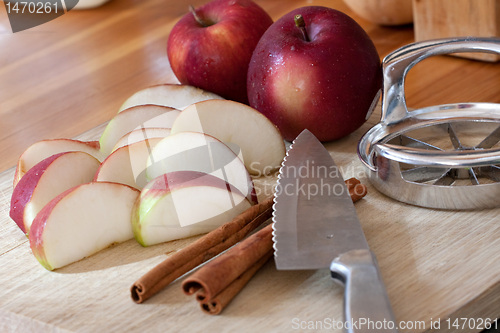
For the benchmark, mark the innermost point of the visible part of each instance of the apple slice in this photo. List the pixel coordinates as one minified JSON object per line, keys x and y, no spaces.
{"x":176,"y":96}
{"x":192,"y":151}
{"x":143,"y":116}
{"x":82,"y":221}
{"x":127,"y":164}
{"x":237,"y":125}
{"x":40,"y":150}
{"x":182,"y":204}
{"x":141,"y":134}
{"x":46,"y":180}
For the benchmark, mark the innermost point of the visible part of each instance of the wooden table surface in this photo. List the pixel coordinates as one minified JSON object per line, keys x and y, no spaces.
{"x":70,"y":75}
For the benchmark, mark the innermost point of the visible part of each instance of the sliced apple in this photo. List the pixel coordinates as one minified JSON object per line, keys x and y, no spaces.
{"x":143,"y":116}
{"x":176,"y":96}
{"x":127,"y":165}
{"x":82,"y":221}
{"x":141,"y":134}
{"x":192,"y":151}
{"x":46,"y":180}
{"x":237,"y":125}
{"x":183,"y":204}
{"x":40,"y":150}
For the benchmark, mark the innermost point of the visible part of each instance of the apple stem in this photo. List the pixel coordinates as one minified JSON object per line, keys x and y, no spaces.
{"x":196,"y":17}
{"x":301,"y":24}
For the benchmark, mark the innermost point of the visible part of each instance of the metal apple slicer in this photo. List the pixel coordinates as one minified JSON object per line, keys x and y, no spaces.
{"x":444,"y":156}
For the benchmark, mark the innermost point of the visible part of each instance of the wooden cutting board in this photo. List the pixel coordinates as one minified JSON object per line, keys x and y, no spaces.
{"x":437,"y":266}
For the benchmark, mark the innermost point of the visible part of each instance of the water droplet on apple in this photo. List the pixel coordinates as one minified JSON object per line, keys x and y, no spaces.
{"x":292,"y":48}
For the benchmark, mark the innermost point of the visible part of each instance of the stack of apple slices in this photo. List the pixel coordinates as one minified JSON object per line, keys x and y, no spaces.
{"x":157,"y":173}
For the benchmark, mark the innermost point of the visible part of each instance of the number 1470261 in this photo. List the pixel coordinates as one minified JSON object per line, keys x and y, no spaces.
{"x":32,"y":7}
{"x":471,"y":323}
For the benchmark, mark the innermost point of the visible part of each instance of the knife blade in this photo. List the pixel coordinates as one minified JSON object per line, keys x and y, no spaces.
{"x":315,"y":225}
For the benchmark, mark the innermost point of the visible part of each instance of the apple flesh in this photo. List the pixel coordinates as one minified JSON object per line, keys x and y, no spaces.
{"x":142,"y":116}
{"x":141,"y":134}
{"x":241,"y":127}
{"x":41,"y":150}
{"x":191,"y":151}
{"x":211,"y":47}
{"x":127,"y":165}
{"x":322,"y":74}
{"x":82,"y":221}
{"x":46,"y":180}
{"x":183,"y":204}
{"x":176,"y":96}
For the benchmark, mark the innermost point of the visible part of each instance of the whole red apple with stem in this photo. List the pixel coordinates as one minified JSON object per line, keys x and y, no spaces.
{"x":211,"y":46}
{"x":315,"y":68}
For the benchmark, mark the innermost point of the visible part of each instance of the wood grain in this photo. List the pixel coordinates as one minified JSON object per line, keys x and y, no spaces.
{"x":70,"y":76}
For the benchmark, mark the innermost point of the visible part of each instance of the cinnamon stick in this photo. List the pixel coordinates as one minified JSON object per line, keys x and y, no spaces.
{"x":200,"y":251}
{"x":217,"y":303}
{"x":219,"y":273}
{"x":219,"y":281}
{"x":351,"y":182}
{"x":357,"y":192}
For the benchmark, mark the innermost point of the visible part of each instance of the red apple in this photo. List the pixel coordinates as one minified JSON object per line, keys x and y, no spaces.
{"x":322,"y":73}
{"x":211,"y":47}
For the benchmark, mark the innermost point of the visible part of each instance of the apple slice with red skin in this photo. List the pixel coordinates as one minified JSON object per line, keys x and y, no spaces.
{"x":240,"y":127}
{"x":46,"y":180}
{"x":141,"y":134}
{"x":127,"y":165}
{"x":192,"y":151}
{"x":182,"y":204}
{"x":82,"y":221}
{"x":142,"y":116}
{"x":40,"y":150}
{"x":176,"y":96}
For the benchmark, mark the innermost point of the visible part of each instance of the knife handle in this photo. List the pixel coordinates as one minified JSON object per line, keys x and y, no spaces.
{"x":366,"y":305}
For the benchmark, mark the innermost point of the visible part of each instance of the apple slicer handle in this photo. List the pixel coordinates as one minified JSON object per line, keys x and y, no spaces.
{"x":366,"y":305}
{"x":397,"y":64}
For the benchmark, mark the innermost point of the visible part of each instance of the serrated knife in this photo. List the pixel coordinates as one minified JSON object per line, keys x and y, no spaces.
{"x":316,"y":226}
